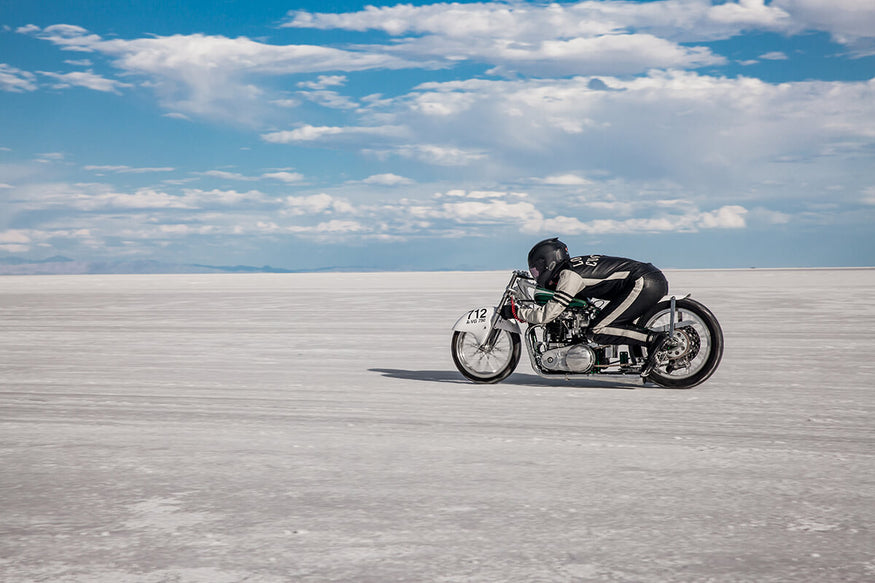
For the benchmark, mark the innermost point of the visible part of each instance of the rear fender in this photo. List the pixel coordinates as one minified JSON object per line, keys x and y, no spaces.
{"x":477,"y":321}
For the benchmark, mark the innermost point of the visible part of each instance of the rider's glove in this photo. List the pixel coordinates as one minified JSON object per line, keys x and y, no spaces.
{"x":508,"y":311}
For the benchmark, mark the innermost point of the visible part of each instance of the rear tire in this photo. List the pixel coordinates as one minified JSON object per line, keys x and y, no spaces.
{"x":699,"y":348}
{"x":489,"y":366}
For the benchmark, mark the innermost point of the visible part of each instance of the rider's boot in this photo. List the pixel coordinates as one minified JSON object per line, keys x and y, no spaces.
{"x":655,"y":343}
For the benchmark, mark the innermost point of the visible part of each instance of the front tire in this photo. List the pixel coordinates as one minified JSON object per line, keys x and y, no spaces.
{"x":697,"y":350}
{"x":486,"y":366}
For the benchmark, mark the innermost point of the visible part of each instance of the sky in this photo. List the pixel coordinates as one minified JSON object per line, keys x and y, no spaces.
{"x":430,"y":135}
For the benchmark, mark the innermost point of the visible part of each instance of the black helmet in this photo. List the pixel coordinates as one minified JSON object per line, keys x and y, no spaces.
{"x":547,"y":259}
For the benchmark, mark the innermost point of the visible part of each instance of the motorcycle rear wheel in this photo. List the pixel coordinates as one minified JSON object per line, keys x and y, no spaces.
{"x":486,"y":366}
{"x":698,"y":348}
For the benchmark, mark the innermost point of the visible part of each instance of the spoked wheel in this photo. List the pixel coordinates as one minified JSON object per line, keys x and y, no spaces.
{"x":483,"y":365}
{"x":696,"y":347}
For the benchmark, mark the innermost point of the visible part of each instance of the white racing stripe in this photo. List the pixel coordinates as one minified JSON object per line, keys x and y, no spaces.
{"x":604,"y":325}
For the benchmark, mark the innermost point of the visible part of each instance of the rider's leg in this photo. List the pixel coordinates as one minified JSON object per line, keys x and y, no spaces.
{"x":616,"y":323}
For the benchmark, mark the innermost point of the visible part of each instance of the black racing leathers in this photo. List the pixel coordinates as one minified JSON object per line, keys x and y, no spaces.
{"x":631,"y":288}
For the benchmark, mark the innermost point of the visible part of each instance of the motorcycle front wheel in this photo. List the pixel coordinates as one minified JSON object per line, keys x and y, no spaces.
{"x":697,"y":348}
{"x":483,"y":365}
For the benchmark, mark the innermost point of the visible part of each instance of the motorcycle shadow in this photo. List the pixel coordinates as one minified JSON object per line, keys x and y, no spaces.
{"x":518,"y":379}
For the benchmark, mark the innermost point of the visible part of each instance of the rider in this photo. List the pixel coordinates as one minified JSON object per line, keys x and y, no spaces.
{"x":631,"y":288}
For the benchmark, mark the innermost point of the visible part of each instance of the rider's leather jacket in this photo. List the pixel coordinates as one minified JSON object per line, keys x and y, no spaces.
{"x":591,"y":276}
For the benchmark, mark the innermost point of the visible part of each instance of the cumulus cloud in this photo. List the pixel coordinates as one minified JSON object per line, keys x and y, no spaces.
{"x":142,"y":199}
{"x":315,"y":204}
{"x":679,"y":126}
{"x":598,"y":110}
{"x":728,"y":217}
{"x":211,"y":76}
{"x":850,"y":22}
{"x":680,"y":20}
{"x":579,"y":37}
{"x":475,"y":208}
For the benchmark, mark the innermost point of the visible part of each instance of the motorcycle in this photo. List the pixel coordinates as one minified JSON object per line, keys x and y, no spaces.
{"x":486,"y":347}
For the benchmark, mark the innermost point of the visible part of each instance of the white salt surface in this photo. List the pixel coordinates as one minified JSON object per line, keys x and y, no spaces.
{"x":312,"y":427}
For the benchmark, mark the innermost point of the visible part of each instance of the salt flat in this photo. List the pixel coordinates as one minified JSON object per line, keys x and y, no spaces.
{"x":312,"y":427}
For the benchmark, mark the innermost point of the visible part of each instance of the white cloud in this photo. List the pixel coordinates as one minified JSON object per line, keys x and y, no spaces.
{"x":334,"y":226}
{"x":15,"y":80}
{"x":697,"y":130}
{"x":330,"y":99}
{"x":683,"y":20}
{"x":140,"y":200}
{"x":315,"y":204}
{"x":565,"y":180}
{"x":101,"y":198}
{"x":578,"y":35}
{"x":85,"y":79}
{"x":306,"y":133}
{"x":728,"y":217}
{"x":483,"y":208}
{"x":225,"y":175}
{"x":228,"y":198}
{"x":323,"y":82}
{"x":774,"y":56}
{"x":127,"y":169}
{"x":749,"y":14}
{"x":495,"y":210}
{"x":437,"y":155}
{"x":286,"y":103}
{"x":177,"y":115}
{"x":542,"y":39}
{"x":310,"y":133}
{"x":387,"y":180}
{"x":850,"y":22}
{"x":607,"y":54}
{"x":211,"y":76}
{"x":50,"y":157}
{"x":288,"y":177}
{"x":14,"y":236}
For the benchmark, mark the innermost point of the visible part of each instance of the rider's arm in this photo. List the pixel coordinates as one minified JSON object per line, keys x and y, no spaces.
{"x":569,"y":285}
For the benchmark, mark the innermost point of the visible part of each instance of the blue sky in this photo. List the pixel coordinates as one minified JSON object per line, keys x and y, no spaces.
{"x":431,"y":135}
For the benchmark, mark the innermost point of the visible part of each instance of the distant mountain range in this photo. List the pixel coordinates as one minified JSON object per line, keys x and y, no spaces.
{"x":60,"y":265}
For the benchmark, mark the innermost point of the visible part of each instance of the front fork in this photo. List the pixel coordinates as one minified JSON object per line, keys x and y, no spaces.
{"x":493,"y":330}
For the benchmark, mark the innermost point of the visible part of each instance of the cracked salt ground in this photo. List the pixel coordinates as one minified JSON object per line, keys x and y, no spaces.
{"x":312,"y":427}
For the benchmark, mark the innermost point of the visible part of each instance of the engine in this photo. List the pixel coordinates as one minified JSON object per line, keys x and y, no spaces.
{"x":568,"y":328}
{"x":564,"y":347}
{"x":577,"y":358}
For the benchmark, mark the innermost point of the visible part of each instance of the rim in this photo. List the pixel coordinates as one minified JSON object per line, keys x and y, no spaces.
{"x":484,"y":363}
{"x":693,"y":344}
